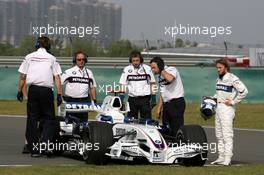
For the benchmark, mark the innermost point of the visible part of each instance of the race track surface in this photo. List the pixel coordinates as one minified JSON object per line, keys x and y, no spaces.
{"x":248,"y":146}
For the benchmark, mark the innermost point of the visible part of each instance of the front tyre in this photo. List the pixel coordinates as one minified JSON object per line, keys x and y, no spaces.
{"x":192,"y":134}
{"x":100,"y":136}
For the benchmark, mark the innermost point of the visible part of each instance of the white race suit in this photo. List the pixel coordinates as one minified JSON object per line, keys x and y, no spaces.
{"x":227,"y":87}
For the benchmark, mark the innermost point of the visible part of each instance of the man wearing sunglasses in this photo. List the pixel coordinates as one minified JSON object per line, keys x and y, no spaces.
{"x":80,"y":85}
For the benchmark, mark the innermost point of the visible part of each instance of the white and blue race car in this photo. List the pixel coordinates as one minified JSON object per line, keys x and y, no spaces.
{"x":115,"y":137}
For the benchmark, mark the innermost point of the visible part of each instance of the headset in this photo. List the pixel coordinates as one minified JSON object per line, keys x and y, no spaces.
{"x":75,"y":55}
{"x":37,"y":45}
{"x":159,"y":61}
{"x":135,"y":54}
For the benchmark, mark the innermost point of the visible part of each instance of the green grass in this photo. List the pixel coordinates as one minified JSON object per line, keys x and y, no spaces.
{"x":256,"y":169}
{"x":11,"y":107}
{"x":247,"y":115}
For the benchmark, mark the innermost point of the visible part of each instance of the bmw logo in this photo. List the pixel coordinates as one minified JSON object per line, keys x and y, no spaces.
{"x":158,"y":142}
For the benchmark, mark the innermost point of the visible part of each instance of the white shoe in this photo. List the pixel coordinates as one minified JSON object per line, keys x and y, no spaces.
{"x":218,"y":160}
{"x":226,"y":162}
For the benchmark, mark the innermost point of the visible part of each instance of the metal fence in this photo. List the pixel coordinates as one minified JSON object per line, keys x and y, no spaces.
{"x":112,"y":62}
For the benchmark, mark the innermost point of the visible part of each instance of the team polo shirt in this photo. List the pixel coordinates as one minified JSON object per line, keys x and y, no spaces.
{"x":40,"y":67}
{"x":77,"y":82}
{"x":137,"y":80}
{"x":173,"y":89}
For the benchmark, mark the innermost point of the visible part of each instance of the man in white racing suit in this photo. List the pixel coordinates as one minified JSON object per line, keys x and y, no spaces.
{"x":229,"y":91}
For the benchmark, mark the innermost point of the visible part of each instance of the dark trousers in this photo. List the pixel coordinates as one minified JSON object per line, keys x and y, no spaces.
{"x":83,"y":116}
{"x":173,"y":114}
{"x":40,"y":107}
{"x":139,"y":105}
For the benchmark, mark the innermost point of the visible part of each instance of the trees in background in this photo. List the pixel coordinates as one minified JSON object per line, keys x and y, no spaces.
{"x":63,"y":48}
{"x":120,"y":48}
{"x":7,"y":49}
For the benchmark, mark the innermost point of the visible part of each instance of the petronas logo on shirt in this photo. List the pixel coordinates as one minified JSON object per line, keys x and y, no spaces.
{"x":137,"y":77}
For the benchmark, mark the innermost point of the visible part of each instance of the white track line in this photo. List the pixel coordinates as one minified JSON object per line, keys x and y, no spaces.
{"x":239,"y":129}
{"x":209,"y":165}
{"x":61,"y":165}
{"x":15,"y":165}
{"x":17,"y":116}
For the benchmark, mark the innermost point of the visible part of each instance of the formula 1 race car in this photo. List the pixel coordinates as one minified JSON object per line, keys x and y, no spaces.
{"x":115,"y":136}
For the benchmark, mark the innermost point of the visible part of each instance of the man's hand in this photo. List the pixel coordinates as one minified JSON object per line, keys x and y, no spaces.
{"x":59,"y":99}
{"x":229,"y":102}
{"x":210,"y":97}
{"x":153,"y":101}
{"x":159,"y":110}
{"x":20,"y":96}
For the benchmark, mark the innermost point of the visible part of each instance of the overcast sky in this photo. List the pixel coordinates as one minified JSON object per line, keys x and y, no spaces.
{"x":148,"y":18}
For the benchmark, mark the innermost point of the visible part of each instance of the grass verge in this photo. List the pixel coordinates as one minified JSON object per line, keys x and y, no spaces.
{"x":255,"y":169}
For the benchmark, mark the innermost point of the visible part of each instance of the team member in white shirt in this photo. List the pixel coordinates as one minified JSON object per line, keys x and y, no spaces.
{"x":38,"y":70}
{"x":80,"y":85}
{"x":139,"y":80}
{"x":171,"y":100}
{"x":229,"y":91}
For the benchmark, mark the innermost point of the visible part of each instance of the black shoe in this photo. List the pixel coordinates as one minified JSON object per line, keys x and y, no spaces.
{"x":26,"y":149}
{"x":48,"y":153}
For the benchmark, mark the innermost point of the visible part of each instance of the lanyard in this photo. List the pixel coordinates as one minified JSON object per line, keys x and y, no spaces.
{"x":148,"y":81}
